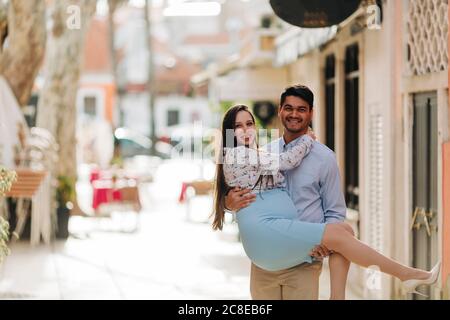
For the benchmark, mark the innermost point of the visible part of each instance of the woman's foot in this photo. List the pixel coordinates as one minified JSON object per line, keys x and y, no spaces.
{"x":417,"y":274}
{"x":421,"y":278}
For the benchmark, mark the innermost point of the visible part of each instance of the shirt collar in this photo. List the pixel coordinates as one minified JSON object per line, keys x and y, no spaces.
{"x":283,"y":142}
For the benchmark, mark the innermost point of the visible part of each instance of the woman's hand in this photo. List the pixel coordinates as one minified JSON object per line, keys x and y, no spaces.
{"x":238,"y":199}
{"x":311,"y":133}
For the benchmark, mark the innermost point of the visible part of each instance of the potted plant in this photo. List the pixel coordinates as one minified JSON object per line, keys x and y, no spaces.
{"x":65,"y":196}
{"x":4,"y":238}
{"x":6,"y":180}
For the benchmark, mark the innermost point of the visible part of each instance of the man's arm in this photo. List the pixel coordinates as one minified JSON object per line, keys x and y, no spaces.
{"x":333,"y":201}
{"x":237,"y":199}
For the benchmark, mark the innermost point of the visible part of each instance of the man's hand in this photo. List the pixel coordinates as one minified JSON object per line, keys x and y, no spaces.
{"x":238,"y":199}
{"x":320,"y":252}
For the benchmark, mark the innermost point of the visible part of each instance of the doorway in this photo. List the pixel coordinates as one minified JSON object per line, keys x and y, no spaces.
{"x":425,"y":184}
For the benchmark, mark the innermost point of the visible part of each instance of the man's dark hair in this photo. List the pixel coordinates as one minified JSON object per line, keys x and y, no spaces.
{"x":298,"y":91}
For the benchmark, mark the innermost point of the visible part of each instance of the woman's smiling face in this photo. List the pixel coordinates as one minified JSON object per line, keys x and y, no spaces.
{"x":244,"y":128}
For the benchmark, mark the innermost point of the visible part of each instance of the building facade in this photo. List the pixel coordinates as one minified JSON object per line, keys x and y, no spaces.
{"x":381,"y":83}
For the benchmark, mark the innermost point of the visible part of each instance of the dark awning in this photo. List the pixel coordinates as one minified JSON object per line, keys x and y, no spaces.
{"x":314,"y":13}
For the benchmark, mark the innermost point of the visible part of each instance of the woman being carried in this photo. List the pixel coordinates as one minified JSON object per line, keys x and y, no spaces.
{"x":272,"y":236}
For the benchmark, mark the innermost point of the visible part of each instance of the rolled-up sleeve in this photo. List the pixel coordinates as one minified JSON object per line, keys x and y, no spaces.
{"x":333,"y":201}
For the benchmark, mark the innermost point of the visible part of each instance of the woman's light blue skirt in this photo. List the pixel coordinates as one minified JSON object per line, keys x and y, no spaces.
{"x":273,"y":237}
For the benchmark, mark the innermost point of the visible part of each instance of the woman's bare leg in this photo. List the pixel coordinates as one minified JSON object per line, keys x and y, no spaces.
{"x":338,"y":239}
{"x":339,"y":267}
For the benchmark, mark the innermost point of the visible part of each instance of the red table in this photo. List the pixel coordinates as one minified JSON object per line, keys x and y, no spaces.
{"x":104,"y":192}
{"x":182,"y":196}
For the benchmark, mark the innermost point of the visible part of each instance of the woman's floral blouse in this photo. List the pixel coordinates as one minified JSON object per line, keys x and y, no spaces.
{"x":243,"y":166}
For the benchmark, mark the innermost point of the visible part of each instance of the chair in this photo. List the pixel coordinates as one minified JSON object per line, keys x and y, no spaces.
{"x":194,"y":189}
{"x":34,"y":186}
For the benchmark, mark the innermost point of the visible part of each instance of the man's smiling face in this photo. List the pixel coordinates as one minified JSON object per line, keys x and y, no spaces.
{"x":296,"y":115}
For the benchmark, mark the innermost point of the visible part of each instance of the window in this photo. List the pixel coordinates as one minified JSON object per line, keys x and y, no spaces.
{"x":330,"y":87}
{"x":90,"y":106}
{"x":173,"y":117}
{"x":352,"y":127}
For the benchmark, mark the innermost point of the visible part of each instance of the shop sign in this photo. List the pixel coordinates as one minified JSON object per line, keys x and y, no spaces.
{"x":314,"y":13}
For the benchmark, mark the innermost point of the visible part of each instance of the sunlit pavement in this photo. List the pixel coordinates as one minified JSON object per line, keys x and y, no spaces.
{"x":168,"y":257}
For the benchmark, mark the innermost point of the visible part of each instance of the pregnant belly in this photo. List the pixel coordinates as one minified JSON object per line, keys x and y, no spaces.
{"x":269,"y":204}
{"x":271,"y":234}
{"x":256,"y":221}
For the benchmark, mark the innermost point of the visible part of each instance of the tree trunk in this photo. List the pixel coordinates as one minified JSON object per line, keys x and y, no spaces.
{"x":21,"y":59}
{"x":3,"y":23}
{"x":57,"y":102}
{"x":113,"y":5}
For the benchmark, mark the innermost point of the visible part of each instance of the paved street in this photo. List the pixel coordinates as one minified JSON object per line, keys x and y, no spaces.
{"x":167,"y":258}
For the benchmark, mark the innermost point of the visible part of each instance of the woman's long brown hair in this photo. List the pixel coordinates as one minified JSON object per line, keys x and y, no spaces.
{"x":220,"y":186}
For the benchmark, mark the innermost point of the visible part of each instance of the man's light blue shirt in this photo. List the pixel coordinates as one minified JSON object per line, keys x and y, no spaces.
{"x":315,"y":185}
